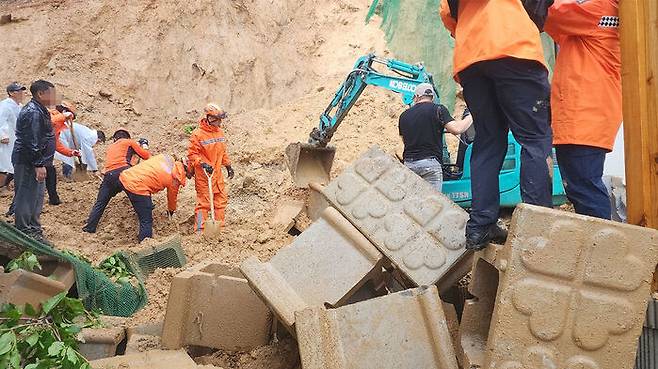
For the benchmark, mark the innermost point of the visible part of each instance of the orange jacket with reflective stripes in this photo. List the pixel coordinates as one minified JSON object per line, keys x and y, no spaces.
{"x":59,"y":124}
{"x":120,"y":153}
{"x":154,"y":175}
{"x":490,"y":30}
{"x":586,"y":99}
{"x":208,"y":145}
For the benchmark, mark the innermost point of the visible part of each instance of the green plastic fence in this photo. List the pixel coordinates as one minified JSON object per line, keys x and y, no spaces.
{"x":95,"y":289}
{"x":415,"y":33}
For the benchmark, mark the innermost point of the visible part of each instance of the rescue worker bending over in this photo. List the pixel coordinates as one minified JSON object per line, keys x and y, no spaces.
{"x":207,"y":154}
{"x":118,"y":158}
{"x":150,"y":177}
{"x":586,"y":97}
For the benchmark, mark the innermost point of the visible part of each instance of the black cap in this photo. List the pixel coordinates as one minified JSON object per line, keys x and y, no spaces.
{"x":15,"y":86}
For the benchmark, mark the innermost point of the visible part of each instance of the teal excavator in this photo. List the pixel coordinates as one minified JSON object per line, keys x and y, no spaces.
{"x":311,"y":162}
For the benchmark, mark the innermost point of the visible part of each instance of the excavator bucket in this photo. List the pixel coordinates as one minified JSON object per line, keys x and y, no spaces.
{"x":309,"y":164}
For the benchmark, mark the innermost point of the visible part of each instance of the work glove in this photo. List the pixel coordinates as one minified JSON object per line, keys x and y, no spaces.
{"x":208,"y":168}
{"x":68,"y":115}
{"x":76,"y":153}
{"x":230,"y":172}
{"x":144,"y":143}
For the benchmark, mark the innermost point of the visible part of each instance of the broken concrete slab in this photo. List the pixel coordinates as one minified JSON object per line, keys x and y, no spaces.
{"x":100,"y":343}
{"x":22,"y":287}
{"x":419,"y":229}
{"x":316,"y":202}
{"x":212,"y":305}
{"x":156,"y":359}
{"x":572,"y":293}
{"x":286,"y":214}
{"x":407,"y":329}
{"x":326,"y":264}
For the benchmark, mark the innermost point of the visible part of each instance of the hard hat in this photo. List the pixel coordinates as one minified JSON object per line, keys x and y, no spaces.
{"x":424,"y":89}
{"x":214,"y":110}
{"x":114,"y":135}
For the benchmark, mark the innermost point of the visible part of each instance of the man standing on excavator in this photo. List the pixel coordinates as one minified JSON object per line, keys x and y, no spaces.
{"x":499,"y":61}
{"x":421,"y":128}
{"x":207,"y":154}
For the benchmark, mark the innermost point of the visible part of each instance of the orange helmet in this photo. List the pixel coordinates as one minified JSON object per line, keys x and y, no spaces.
{"x":213,"y":110}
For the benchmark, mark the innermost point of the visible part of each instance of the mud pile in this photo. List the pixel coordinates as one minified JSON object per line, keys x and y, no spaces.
{"x":150,"y":66}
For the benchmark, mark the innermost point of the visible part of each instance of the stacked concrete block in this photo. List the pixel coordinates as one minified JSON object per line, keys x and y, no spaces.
{"x":419,"y":229}
{"x":402,"y":330}
{"x":325,"y":265}
{"x":571,"y":294}
{"x":286,"y":215}
{"x":100,"y":343}
{"x":211,"y":305}
{"x":22,"y":287}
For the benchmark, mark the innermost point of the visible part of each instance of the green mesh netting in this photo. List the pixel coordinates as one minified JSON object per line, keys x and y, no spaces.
{"x":415,"y":33}
{"x":95,"y":289}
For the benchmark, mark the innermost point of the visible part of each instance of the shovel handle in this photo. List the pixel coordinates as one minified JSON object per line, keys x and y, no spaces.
{"x":210,"y":194}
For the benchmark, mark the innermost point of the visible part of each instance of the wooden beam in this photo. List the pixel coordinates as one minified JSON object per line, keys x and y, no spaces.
{"x":639,"y":45}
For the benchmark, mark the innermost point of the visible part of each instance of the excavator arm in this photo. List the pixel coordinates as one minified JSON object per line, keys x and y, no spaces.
{"x":404,"y":80}
{"x":312,"y":162}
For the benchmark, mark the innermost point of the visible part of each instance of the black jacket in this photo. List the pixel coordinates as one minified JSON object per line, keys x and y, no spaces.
{"x":35,"y":137}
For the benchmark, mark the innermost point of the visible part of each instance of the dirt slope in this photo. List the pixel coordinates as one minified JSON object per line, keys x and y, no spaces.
{"x":152,"y":65}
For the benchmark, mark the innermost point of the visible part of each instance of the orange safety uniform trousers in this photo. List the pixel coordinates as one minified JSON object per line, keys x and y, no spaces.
{"x":208,"y":145}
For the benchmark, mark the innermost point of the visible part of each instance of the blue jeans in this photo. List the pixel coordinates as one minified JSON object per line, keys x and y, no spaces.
{"x":28,"y":200}
{"x":507,"y":94}
{"x":109,"y":188}
{"x":582,"y":171}
{"x":428,"y":169}
{"x":143,"y":206}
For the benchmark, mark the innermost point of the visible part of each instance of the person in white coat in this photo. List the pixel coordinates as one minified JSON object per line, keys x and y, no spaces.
{"x":85,"y":138}
{"x":9,"y":109}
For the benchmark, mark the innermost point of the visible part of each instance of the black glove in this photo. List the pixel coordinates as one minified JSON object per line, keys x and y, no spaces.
{"x":208,"y":168}
{"x":230,"y":172}
{"x":143,"y":142}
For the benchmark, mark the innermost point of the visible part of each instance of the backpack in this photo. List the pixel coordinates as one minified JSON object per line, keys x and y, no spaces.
{"x":537,"y":10}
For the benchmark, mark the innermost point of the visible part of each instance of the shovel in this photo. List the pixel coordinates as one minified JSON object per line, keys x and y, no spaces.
{"x":80,"y":172}
{"x":211,"y":228}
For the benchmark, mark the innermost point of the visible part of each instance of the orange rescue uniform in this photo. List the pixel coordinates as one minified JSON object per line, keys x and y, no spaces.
{"x":154,"y":175}
{"x":120,"y":154}
{"x":59,"y":124}
{"x":490,"y":30}
{"x":586,"y":97}
{"x":208,"y":145}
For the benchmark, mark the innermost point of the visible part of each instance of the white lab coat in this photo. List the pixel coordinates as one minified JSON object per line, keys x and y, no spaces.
{"x":86,"y":138}
{"x":9,"y":110}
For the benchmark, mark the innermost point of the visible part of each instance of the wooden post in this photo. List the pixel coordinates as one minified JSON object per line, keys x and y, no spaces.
{"x":639,"y":46}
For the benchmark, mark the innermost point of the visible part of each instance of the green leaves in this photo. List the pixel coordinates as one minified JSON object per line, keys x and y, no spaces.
{"x":27,"y":261}
{"x":52,"y":302}
{"x":116,"y":269}
{"x":188,"y":128}
{"x":45,"y":338}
